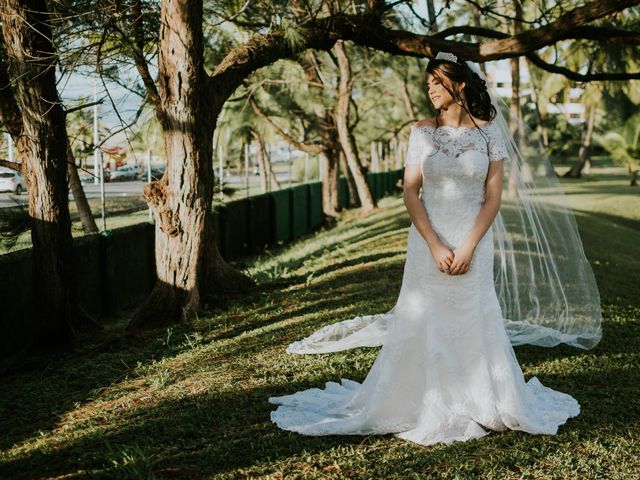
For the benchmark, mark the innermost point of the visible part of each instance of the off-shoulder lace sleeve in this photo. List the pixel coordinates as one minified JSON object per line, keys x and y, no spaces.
{"x":497,"y":145}
{"x":416,"y":152}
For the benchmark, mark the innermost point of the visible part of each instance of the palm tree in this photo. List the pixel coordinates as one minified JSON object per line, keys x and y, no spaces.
{"x":623,"y":144}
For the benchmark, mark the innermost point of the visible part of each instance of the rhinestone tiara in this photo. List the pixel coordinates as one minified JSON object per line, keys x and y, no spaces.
{"x":446,"y":56}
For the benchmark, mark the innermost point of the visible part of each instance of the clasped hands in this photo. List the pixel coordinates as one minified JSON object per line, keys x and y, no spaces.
{"x":453,"y":262}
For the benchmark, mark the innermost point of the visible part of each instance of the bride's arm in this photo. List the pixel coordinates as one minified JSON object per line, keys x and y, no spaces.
{"x":488,"y":211}
{"x":411,"y":196}
{"x":442,"y":255}
{"x":491,"y":205}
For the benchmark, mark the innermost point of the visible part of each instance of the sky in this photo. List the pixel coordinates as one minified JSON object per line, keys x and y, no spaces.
{"x":78,"y":84}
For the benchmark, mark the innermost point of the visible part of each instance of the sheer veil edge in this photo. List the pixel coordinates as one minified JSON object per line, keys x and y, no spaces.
{"x":546,"y":287}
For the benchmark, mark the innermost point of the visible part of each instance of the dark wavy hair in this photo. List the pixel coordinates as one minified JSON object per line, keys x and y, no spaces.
{"x":478,"y":102}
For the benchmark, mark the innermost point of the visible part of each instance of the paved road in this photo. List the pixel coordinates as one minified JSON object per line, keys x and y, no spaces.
{"x":130,"y":188}
{"x":115,"y":189}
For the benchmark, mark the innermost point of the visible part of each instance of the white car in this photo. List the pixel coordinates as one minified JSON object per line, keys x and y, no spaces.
{"x":11,"y":181}
{"x":126,"y":172}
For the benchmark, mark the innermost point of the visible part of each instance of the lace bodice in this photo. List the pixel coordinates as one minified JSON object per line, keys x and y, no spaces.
{"x":454,"y":162}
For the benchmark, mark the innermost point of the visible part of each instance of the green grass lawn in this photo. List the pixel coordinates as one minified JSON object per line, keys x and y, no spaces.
{"x":191,"y":401}
{"x":121,"y":211}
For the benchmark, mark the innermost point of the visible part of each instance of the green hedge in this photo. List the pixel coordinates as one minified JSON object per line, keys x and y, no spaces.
{"x":299,"y":210}
{"x":17,"y":325}
{"x":127,"y":266}
{"x":280,"y":216}
{"x":117,"y":270}
{"x":259,"y":222}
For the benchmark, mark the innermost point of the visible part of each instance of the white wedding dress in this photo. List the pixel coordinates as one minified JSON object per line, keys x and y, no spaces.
{"x":446,"y":370}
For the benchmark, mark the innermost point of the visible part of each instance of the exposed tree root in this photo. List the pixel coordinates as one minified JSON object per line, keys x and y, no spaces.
{"x":168,"y":304}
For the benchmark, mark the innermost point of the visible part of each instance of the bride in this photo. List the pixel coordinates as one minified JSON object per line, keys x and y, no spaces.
{"x":447,"y":370}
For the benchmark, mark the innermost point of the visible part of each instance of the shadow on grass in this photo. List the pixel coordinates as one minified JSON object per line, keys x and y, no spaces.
{"x":32,"y":402}
{"x":377,"y":225}
{"x":342,"y":290}
{"x":190,"y":435}
{"x":34,"y":399}
{"x":610,"y":243}
{"x":214,"y":432}
{"x":606,"y":218}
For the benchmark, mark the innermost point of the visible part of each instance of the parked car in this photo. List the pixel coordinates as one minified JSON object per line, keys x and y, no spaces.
{"x":156,"y":172}
{"x":88,"y":178}
{"x":85,"y":177}
{"x":126,"y":172}
{"x":11,"y":181}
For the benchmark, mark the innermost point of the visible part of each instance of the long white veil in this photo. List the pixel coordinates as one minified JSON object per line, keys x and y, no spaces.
{"x":545,"y":284}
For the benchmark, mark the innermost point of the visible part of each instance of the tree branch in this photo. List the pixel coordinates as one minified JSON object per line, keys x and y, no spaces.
{"x":365,"y":30}
{"x":580,"y":77}
{"x":12,"y":165}
{"x":605,"y":34}
{"x":83,"y":106}
{"x":311,"y":148}
{"x":586,"y":32}
{"x":141,"y":63}
{"x":591,"y":32}
{"x":10,"y":113}
{"x":534,"y":39}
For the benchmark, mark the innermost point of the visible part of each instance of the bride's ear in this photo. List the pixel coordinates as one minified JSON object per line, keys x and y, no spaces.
{"x":458,"y":89}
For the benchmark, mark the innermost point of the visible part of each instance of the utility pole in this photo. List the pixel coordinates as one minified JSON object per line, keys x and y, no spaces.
{"x":149,"y":178}
{"x":290,"y":171}
{"x":306,"y":166}
{"x":102,"y":202}
{"x":246,"y":167}
{"x":221,"y":170}
{"x":9,"y":146}
{"x":96,"y":179}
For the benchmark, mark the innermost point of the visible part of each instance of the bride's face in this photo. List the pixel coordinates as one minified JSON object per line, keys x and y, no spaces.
{"x":439,"y":95}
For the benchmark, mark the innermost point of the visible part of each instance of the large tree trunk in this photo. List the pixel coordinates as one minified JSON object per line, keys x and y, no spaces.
{"x":406,"y":100}
{"x":433,"y":22}
{"x":275,"y":184}
{"x":334,"y":178}
{"x":477,"y":21}
{"x":367,"y":201}
{"x":329,"y":181}
{"x":32,"y":111}
{"x":268,"y":180}
{"x":190,"y":270}
{"x":325,"y":150}
{"x":84,"y":210}
{"x":262,"y":161}
{"x":584,"y":160}
{"x":540,"y":127}
{"x":515,"y":111}
{"x":351,"y":184}
{"x":330,"y":165}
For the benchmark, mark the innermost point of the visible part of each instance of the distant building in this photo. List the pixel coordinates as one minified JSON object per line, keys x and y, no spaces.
{"x":115,"y":157}
{"x":499,"y":75}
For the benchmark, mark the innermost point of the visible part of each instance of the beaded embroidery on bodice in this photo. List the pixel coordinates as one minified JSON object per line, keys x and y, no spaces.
{"x":454,"y":161}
